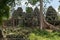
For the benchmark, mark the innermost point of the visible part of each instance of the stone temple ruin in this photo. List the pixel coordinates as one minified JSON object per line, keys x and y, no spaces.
{"x":51,"y":16}
{"x":19,"y":17}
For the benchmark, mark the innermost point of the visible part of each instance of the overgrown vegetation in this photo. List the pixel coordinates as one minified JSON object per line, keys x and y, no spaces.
{"x":32,"y":34}
{"x":44,"y":35}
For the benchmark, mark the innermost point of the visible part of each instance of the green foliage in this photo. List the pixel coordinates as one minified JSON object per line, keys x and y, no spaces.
{"x":41,"y":32}
{"x":29,"y":10}
{"x":38,"y":37}
{"x":4,"y":8}
{"x":6,"y":11}
{"x":5,"y":2}
{"x":44,"y":35}
{"x":33,"y":2}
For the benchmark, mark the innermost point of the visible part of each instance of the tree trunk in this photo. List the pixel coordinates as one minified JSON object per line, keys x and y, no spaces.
{"x":41,"y":15}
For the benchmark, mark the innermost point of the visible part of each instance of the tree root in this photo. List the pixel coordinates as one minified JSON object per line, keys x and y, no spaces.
{"x":50,"y":26}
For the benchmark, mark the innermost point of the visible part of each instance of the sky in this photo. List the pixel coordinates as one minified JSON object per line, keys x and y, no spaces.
{"x":53,"y":3}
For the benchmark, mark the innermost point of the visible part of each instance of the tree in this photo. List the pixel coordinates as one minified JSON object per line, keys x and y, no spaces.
{"x":4,"y":8}
{"x":4,"y":11}
{"x":41,"y":14}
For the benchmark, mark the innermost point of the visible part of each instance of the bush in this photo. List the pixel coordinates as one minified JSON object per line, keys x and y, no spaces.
{"x":41,"y":32}
{"x":43,"y":35}
{"x":34,"y":36}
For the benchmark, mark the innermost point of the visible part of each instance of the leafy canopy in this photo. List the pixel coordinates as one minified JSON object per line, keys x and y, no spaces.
{"x":33,"y":2}
{"x":29,"y":9}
